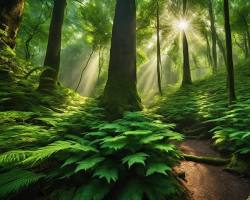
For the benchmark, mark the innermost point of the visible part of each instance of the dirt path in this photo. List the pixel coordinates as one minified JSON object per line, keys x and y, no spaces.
{"x":210,"y":182}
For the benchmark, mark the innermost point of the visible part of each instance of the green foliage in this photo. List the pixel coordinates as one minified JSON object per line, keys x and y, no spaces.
{"x":135,"y":151}
{"x":207,"y":101}
{"x":17,"y":179}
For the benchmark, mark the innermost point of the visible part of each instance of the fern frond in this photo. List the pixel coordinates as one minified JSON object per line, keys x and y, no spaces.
{"x":17,"y":179}
{"x":95,"y":190}
{"x":13,"y":157}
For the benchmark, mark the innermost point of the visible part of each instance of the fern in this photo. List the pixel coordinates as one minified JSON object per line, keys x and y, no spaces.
{"x":88,"y":163}
{"x":16,"y":180}
{"x":138,"y":158}
{"x":46,"y":152}
{"x":109,"y":172}
{"x":94,"y":190}
{"x":93,"y":163}
{"x":13,"y":157}
{"x":161,"y":168}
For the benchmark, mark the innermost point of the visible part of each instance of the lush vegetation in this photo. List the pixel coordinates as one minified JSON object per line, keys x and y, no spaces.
{"x":202,"y":110}
{"x":96,"y":96}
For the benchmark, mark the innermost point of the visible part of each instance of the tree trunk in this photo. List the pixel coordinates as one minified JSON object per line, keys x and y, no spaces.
{"x":222,"y":49}
{"x":213,"y":33}
{"x":11,"y":12}
{"x":230,"y":64}
{"x":186,"y":64}
{"x":247,"y":31}
{"x":49,"y":78}
{"x":120,"y":93}
{"x":158,"y":48}
{"x":209,"y":56}
{"x":246,"y":46}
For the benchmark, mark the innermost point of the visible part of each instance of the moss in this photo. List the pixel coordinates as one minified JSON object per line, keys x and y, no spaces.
{"x":238,"y":165}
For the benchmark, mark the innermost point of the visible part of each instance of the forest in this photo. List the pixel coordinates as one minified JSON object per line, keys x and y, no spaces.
{"x":125,"y":99}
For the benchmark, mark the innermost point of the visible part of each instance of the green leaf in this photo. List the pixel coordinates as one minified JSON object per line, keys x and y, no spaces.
{"x":71,"y":160}
{"x":116,"y":143}
{"x":94,"y":190}
{"x":138,"y":158}
{"x":151,"y":138}
{"x":108,"y":172}
{"x":137,"y":133}
{"x":96,"y":134}
{"x":88,"y":163}
{"x":164,"y":147}
{"x":161,"y":168}
{"x":112,"y":127}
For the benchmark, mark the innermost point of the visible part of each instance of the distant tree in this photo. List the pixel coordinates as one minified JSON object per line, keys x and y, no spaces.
{"x":49,"y":77}
{"x":186,"y":64}
{"x":230,"y":64}
{"x":120,"y":92}
{"x":213,"y":33}
{"x":11,"y":12}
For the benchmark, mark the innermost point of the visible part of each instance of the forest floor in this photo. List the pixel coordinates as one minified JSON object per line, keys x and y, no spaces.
{"x":206,"y":182}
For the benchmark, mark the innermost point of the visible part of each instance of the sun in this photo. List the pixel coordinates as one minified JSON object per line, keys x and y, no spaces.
{"x":182,"y":24}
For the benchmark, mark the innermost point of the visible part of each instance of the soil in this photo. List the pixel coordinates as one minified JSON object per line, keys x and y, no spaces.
{"x":206,"y":182}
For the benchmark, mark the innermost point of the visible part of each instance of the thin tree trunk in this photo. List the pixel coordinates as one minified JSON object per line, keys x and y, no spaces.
{"x":248,"y":35}
{"x":83,"y":69}
{"x":213,"y":33}
{"x":120,"y":93}
{"x":247,"y":31}
{"x":11,"y":12}
{"x":230,"y":64}
{"x":158,"y":48}
{"x":49,"y":78}
{"x":246,"y":46}
{"x":209,"y":56}
{"x":186,"y":64}
{"x":222,"y":49}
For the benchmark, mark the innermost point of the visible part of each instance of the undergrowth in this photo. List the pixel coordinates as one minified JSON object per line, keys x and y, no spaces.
{"x":130,"y":158}
{"x":60,"y":146}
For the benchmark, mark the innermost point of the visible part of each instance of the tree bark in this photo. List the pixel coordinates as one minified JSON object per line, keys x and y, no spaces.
{"x":213,"y":33}
{"x":186,"y":64}
{"x":49,"y":78}
{"x":120,"y":93}
{"x":158,"y":48}
{"x":11,"y":12}
{"x":230,"y":64}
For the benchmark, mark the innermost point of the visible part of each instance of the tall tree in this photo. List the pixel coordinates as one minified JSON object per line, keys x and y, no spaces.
{"x":120,"y":92}
{"x":186,"y":64}
{"x":49,"y":77}
{"x":230,"y":64}
{"x":158,"y":46}
{"x":213,"y":33}
{"x":11,"y":12}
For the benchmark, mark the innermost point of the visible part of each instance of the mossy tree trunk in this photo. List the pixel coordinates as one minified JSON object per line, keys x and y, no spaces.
{"x":11,"y":12}
{"x":120,"y":93}
{"x":186,"y":64}
{"x":230,"y":64}
{"x":49,"y":77}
